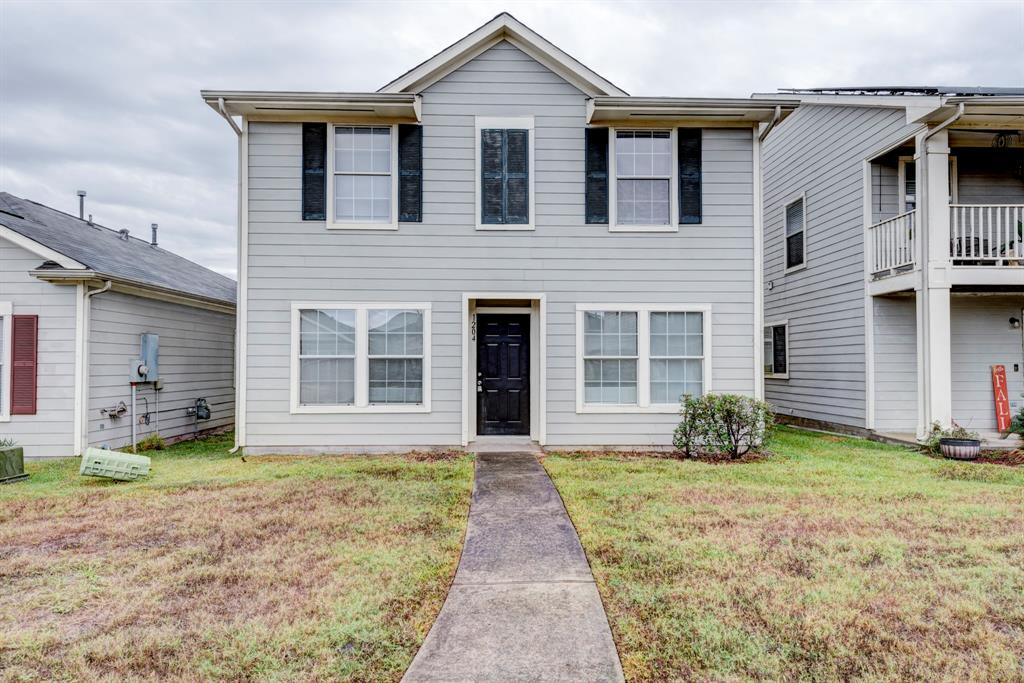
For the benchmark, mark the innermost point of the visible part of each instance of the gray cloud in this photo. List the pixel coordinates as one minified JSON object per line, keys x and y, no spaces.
{"x":105,"y":96}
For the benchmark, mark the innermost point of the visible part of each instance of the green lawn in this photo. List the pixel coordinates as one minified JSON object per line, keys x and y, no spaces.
{"x":213,"y":568}
{"x":835,"y":559}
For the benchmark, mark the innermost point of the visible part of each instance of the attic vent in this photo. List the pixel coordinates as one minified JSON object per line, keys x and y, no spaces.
{"x":123,"y":234}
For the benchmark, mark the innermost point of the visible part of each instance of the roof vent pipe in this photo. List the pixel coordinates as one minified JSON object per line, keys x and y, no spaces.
{"x":153,"y":226}
{"x":90,"y":219}
{"x":81,"y":204}
{"x":123,"y":234}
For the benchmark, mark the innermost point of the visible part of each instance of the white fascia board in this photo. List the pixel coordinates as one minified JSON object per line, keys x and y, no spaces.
{"x":502,"y":27}
{"x":43,"y":252}
{"x":258,"y":103}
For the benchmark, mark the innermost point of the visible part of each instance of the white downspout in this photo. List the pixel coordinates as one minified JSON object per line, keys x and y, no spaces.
{"x":82,"y":437}
{"x":240,"y":308}
{"x":948,"y":122}
{"x":771,"y":124}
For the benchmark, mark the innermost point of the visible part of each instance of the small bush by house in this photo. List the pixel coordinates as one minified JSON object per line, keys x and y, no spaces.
{"x":723,"y":424}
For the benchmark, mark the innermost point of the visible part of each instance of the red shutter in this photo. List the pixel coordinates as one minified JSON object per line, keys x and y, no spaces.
{"x":24,"y":338}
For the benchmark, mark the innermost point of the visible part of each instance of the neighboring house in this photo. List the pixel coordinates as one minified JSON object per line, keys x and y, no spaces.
{"x":894,"y":263}
{"x":75,"y":299}
{"x":498,"y":242}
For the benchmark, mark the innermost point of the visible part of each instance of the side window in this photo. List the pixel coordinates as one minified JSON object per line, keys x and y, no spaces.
{"x":776,"y":350}
{"x":796,"y":234}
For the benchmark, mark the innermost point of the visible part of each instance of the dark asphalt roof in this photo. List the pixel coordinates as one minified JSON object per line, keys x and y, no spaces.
{"x":104,"y":251}
{"x":910,"y":90}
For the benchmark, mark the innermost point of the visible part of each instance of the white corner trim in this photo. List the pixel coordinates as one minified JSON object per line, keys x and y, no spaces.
{"x":869,"y":305}
{"x":362,"y":403}
{"x":43,"y":252}
{"x":6,"y":310}
{"x":242,"y":290}
{"x":643,"y":311}
{"x":332,"y":222}
{"x":80,"y":408}
{"x":758,"y":293}
{"x":673,"y":183}
{"x":777,"y":323}
{"x":801,"y":197}
{"x":514,"y":122}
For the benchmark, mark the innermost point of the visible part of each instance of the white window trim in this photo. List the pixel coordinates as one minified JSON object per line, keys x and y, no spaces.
{"x":362,"y":365}
{"x":643,"y":370}
{"x":6,"y":311}
{"x":332,"y":222}
{"x":802,"y":197}
{"x":673,"y":185}
{"x":901,"y":178}
{"x":777,"y":323}
{"x":516,"y":122}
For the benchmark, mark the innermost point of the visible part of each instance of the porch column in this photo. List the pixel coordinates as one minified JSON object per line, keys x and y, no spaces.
{"x":935,"y":364}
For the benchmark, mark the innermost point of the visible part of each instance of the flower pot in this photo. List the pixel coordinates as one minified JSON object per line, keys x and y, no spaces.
{"x":12,"y":464}
{"x":960,"y":449}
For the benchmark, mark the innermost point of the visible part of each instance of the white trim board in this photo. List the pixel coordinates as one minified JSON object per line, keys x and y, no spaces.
{"x":643,"y":376}
{"x":6,"y":311}
{"x":43,"y":252}
{"x":538,"y":359}
{"x":362,"y":403}
{"x":502,"y":27}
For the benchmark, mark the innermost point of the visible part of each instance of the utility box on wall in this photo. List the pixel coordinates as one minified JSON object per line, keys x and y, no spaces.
{"x":147,"y":367}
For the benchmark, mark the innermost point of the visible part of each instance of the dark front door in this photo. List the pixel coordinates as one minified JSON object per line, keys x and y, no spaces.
{"x":503,"y":373}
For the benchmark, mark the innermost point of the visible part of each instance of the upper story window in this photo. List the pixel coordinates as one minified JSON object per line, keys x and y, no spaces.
{"x":504,"y":154}
{"x":908,"y":182}
{"x":362,"y":190}
{"x":643,"y":177}
{"x":796,"y":233}
{"x":360,"y":358}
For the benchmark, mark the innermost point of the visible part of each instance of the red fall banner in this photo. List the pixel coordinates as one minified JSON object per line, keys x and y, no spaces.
{"x":1002,"y":398}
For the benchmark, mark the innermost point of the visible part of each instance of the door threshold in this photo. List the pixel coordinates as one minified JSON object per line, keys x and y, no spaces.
{"x":503,"y":444}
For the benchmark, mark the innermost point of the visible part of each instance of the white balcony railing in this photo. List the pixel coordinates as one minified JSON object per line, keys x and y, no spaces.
{"x":892,"y":243}
{"x":986,"y":234}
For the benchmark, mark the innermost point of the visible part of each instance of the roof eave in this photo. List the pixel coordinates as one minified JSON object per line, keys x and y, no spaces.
{"x":62,"y":276}
{"x":259,"y":104}
{"x":608,"y":109}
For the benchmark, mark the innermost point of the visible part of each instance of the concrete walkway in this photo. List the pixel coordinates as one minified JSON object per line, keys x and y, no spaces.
{"x":523,"y":606}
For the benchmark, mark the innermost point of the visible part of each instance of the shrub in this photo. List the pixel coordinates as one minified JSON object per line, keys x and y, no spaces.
{"x":153,"y":442}
{"x":1017,"y":424}
{"x":937,"y":433}
{"x":726,"y":424}
{"x":7,"y":443}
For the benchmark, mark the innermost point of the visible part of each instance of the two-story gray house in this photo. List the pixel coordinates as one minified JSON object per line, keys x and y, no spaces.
{"x":498,"y":242}
{"x":894,"y":258}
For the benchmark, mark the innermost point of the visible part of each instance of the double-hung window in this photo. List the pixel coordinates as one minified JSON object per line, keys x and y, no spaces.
{"x":776,"y":350}
{"x":643,"y":178}
{"x":360,"y":358}
{"x":363,"y":181}
{"x":795,"y":219}
{"x":907,"y":177}
{"x":640,"y":357}
{"x":5,"y":360}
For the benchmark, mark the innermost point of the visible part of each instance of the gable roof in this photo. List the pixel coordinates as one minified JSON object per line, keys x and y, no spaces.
{"x":92,"y":247}
{"x":503,"y":27}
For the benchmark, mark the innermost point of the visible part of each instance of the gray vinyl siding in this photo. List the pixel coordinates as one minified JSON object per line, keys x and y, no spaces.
{"x":982,"y":337}
{"x":50,"y":432}
{"x":885,"y":197}
{"x":196,"y":361}
{"x":984,"y":177}
{"x":895,"y":339}
{"x":445,"y":256}
{"x":819,"y":150}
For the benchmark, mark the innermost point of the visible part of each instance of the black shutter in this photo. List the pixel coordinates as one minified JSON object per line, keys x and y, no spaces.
{"x":492,"y":187}
{"x":517,"y":177}
{"x":597,"y":175}
{"x":410,"y":173}
{"x":314,"y":181}
{"x":779,"y":350}
{"x":689,"y":153}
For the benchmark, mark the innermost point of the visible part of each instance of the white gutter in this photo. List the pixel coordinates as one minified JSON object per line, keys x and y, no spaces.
{"x":771,"y":124}
{"x":948,"y":122}
{"x":222,"y":110}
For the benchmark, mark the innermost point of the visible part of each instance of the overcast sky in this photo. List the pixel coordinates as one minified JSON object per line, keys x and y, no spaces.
{"x":105,"y":96}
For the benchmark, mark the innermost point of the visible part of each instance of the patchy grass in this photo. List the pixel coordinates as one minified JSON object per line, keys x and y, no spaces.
{"x":835,"y":559}
{"x":217,"y":569}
